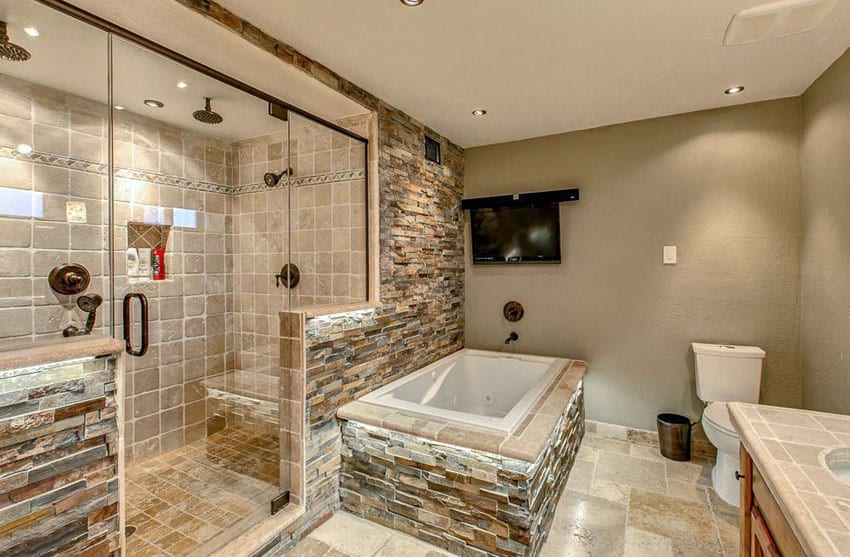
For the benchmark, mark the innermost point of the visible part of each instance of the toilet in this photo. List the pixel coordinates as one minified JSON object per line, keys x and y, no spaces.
{"x":726,"y":373}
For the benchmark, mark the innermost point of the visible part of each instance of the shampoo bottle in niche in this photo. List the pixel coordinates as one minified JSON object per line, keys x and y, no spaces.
{"x":158,"y":260}
{"x":145,"y":262}
{"x":132,"y":262}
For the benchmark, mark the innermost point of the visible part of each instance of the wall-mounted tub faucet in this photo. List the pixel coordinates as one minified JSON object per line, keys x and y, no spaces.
{"x":513,"y":337}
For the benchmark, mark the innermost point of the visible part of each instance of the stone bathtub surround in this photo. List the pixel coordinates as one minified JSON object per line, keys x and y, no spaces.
{"x":468,"y":490}
{"x":59,"y":449}
{"x":786,"y":445}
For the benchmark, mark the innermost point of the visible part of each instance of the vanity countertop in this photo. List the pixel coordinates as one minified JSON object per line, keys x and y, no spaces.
{"x":20,"y":358}
{"x":787,"y":446}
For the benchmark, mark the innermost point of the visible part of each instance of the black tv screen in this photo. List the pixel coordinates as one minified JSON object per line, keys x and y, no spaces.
{"x":516,"y":235}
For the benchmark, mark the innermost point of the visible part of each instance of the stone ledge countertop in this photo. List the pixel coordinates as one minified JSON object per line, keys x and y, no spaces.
{"x":16,"y":359}
{"x":525,"y":443}
{"x":787,"y":446}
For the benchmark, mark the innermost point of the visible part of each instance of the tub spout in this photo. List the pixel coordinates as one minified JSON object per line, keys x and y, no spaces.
{"x":512,"y":338}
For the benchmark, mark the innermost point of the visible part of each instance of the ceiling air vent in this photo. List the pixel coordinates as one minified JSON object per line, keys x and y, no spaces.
{"x":777,"y":19}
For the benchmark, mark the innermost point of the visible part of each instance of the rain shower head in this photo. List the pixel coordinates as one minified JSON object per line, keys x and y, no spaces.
{"x":207,"y":115}
{"x":271,"y":179}
{"x":10,"y":51}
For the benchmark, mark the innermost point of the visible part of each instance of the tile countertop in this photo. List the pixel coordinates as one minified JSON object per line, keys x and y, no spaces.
{"x":20,"y":358}
{"x":787,"y":446}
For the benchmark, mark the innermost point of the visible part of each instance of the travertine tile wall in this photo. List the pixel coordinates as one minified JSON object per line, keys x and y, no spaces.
{"x":328,"y":201}
{"x":178,"y":178}
{"x":35,"y":196}
{"x":210,"y":350}
{"x":160,"y":172}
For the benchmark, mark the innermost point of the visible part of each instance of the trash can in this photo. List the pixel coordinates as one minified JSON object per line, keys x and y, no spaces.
{"x":674,"y":436}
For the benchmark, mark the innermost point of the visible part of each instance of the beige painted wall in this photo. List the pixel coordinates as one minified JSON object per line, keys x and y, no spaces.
{"x":722,"y":185}
{"x":825,"y":276}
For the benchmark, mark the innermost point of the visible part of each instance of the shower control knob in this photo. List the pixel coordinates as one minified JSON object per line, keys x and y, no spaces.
{"x":513,"y":311}
{"x":69,"y":279}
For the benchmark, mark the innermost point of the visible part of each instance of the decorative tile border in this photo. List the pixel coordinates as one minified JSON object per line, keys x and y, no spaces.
{"x":162,"y":179}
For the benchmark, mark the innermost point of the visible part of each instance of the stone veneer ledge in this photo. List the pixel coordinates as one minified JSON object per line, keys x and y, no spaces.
{"x":28,"y":354}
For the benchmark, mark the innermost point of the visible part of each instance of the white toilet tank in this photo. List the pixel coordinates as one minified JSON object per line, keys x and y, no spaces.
{"x":727,"y":373}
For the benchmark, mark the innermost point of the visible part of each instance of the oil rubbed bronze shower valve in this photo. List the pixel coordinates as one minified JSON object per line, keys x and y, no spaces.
{"x":69,"y":279}
{"x":513,"y":311}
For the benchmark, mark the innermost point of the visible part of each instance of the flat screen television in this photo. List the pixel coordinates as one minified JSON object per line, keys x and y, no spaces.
{"x":517,"y":234}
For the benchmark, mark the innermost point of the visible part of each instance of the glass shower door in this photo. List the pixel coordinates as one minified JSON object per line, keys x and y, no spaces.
{"x":200,"y":214}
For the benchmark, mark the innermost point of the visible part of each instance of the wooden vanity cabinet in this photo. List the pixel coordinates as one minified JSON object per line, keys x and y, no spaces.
{"x":764,"y":528}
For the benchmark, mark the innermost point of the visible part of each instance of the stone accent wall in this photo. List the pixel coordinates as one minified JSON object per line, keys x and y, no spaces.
{"x":59,"y":460}
{"x":466,"y":501}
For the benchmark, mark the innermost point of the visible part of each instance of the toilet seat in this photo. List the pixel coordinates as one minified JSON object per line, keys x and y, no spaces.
{"x":718,"y":414}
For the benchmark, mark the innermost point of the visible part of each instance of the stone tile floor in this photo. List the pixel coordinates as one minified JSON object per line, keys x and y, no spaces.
{"x":188,"y":501}
{"x":621,"y":499}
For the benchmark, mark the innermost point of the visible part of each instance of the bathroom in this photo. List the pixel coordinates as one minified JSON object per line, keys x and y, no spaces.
{"x":273,"y":267}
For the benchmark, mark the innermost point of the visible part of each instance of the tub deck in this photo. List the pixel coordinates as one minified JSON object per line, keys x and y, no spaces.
{"x":527,"y":442}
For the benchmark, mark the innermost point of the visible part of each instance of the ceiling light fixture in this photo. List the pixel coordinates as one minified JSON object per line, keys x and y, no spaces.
{"x":411,"y":3}
{"x":23,"y":149}
{"x":479,"y":112}
{"x":734,"y":90}
{"x":119,"y":107}
{"x":31,"y":31}
{"x":182,"y":84}
{"x":154,"y":103}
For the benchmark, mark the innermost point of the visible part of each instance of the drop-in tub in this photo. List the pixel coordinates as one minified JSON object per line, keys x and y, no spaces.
{"x":468,"y":453}
{"x":492,"y":390}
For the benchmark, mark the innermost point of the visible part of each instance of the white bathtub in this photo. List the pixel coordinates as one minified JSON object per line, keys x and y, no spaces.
{"x":492,"y":390}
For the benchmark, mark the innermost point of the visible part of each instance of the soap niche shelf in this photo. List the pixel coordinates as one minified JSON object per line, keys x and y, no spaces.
{"x":152,"y":236}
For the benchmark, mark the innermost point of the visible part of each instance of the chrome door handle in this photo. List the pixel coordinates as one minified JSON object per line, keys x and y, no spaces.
{"x":128,"y":320}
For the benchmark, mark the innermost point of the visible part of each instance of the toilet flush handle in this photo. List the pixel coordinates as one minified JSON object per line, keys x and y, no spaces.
{"x":739,"y":476}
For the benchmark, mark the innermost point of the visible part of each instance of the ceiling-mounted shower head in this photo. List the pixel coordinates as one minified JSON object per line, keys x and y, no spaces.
{"x":10,"y":51}
{"x":271,"y":179}
{"x":206,"y":115}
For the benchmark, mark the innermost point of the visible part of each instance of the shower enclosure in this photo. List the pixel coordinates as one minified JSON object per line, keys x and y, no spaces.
{"x":201,"y":210}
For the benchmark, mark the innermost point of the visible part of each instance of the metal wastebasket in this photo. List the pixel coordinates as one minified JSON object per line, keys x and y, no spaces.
{"x":674,"y":436}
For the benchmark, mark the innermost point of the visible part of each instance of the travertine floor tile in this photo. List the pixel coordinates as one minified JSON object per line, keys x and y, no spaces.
{"x":351,"y":535}
{"x":678,"y":519}
{"x":631,"y":471}
{"x":586,"y":525}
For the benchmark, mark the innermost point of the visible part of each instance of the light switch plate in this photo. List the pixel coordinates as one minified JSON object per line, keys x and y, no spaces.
{"x":669,"y":255}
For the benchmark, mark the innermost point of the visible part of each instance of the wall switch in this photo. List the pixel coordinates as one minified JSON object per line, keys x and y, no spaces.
{"x":669,"y":255}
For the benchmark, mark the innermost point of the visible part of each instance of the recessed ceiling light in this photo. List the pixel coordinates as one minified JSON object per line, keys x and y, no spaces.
{"x":154,"y":103}
{"x":31,"y":31}
{"x":24,"y":149}
{"x":734,"y":90}
{"x":182,"y":84}
{"x":479,"y":112}
{"x":411,"y":2}
{"x":119,"y":107}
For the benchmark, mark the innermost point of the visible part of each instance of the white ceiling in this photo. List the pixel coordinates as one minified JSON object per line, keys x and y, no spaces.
{"x":71,"y":56}
{"x":547,"y":66}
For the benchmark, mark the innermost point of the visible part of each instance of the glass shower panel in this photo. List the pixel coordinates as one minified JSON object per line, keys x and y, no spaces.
{"x":196,"y":236}
{"x":329,"y":223}
{"x":53,"y":173}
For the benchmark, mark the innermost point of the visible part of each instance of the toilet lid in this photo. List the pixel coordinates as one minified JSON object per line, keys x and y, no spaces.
{"x":718,"y":414}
